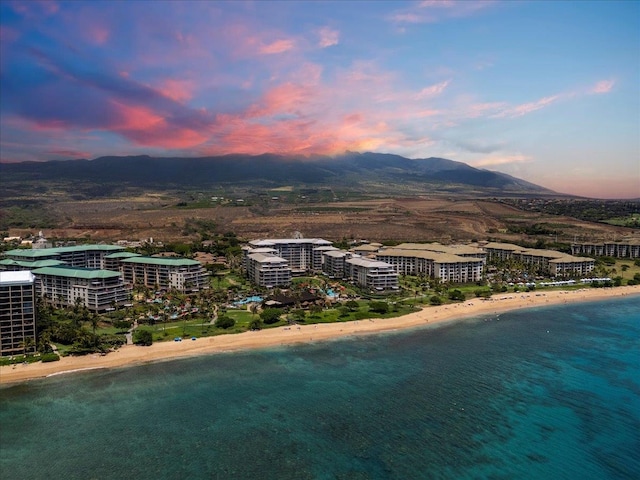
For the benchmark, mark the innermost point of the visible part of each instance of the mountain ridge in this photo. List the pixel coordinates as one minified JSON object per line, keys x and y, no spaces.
{"x":351,"y":168}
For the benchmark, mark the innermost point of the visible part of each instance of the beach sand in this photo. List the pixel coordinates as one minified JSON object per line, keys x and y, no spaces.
{"x":133,"y":354}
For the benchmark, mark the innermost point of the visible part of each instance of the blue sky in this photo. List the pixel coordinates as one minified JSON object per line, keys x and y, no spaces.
{"x":546,"y":91}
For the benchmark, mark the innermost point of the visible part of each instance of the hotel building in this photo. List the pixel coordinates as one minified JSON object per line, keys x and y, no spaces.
{"x":95,"y":289}
{"x":182,"y":274}
{"x":623,"y":249}
{"x":266,"y":269}
{"x":298,"y":252}
{"x":17,"y":313}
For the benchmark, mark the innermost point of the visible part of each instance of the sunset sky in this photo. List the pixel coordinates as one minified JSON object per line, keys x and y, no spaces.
{"x":546,"y":91}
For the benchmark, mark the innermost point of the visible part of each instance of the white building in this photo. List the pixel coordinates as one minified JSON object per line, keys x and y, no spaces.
{"x":371,"y":274}
{"x":17,"y":312}
{"x":268,"y":270}
{"x":298,"y":252}
{"x":182,"y":274}
{"x":95,"y":289}
{"x":443,"y":266}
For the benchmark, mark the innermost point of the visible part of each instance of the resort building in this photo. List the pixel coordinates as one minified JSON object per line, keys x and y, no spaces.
{"x":372,"y":274}
{"x":182,"y":274}
{"x":82,"y":256}
{"x":334,"y":265}
{"x":17,"y":313}
{"x":268,"y":270}
{"x":94,"y":288}
{"x":546,"y":261}
{"x":442,"y":266}
{"x":298,"y":252}
{"x":624,"y":249}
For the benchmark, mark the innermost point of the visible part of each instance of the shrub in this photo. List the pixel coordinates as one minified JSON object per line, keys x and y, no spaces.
{"x":49,"y":357}
{"x":255,"y":325}
{"x":435,"y":300}
{"x":456,"y":295}
{"x":225,"y":322}
{"x":270,"y":315}
{"x":143,"y":337}
{"x":379,"y":307}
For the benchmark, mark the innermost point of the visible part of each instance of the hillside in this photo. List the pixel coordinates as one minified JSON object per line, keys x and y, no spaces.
{"x":385,"y":172}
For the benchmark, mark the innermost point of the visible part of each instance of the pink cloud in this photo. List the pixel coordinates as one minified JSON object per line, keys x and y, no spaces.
{"x":494,"y":160}
{"x":178,"y":90}
{"x":433,"y":11}
{"x":604,"y":86}
{"x":145,"y":127}
{"x":279,"y":46}
{"x":525,"y":108}
{"x":433,"y":90}
{"x":328,"y":37}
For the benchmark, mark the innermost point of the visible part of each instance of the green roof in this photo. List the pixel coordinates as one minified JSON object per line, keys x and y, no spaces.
{"x":122,"y":255}
{"x":34,"y":264}
{"x":52,"y":252}
{"x":82,"y":248}
{"x":87,"y":273}
{"x":172,"y":262}
{"x":32,"y":252}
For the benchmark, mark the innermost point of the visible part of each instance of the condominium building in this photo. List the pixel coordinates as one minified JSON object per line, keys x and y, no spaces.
{"x":298,"y":252}
{"x":548,"y":261}
{"x":182,"y":274}
{"x":334,"y":265}
{"x":372,"y":274}
{"x":83,"y":256}
{"x":623,"y":249}
{"x":268,"y":270}
{"x":94,"y":288}
{"x":17,"y":313}
{"x":443,"y":266}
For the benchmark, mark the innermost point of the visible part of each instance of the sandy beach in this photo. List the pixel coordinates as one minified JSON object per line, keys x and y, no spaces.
{"x":132,"y":354}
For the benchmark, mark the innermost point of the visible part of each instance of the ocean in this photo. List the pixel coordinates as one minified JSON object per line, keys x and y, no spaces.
{"x":543,"y":393}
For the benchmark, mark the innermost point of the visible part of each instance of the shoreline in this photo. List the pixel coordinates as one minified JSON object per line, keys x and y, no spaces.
{"x":131,"y":355}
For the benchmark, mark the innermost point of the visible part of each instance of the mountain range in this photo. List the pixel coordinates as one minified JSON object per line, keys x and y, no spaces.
{"x":355,"y":170}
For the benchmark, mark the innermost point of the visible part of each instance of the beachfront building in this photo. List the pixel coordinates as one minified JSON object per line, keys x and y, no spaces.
{"x":545,"y":261}
{"x":629,"y":248}
{"x":182,"y":274}
{"x":112,"y":261}
{"x":298,"y":252}
{"x":81,"y":256}
{"x":96,"y":289}
{"x":371,"y":274}
{"x":569,"y":266}
{"x":334,"y":264}
{"x":17,"y":313}
{"x":265,"y":269}
{"x":445,"y":267}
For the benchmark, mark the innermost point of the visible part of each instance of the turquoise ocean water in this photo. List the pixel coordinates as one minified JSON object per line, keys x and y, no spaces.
{"x":546,"y":393}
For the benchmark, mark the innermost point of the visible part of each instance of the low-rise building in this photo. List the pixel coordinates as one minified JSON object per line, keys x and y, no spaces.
{"x":17,"y":313}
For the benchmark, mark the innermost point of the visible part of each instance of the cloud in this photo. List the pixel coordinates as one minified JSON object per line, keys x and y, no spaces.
{"x":279,"y":46}
{"x":604,"y":86}
{"x":435,"y":11}
{"x":433,"y":90}
{"x":328,"y":37}
{"x":526,"y":108}
{"x":493,"y":160}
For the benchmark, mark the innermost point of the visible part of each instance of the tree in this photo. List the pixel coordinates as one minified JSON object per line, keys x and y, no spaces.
{"x":457,"y":295}
{"x":270,"y":315}
{"x":255,"y":325}
{"x":352,"y":305}
{"x":225,"y":322}
{"x":435,"y":300}
{"x":143,"y":337}
{"x":379,"y":307}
